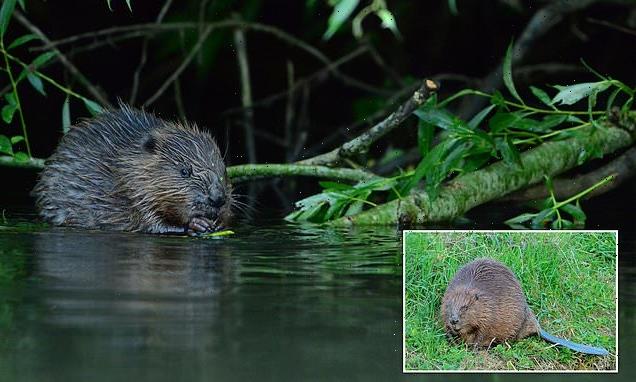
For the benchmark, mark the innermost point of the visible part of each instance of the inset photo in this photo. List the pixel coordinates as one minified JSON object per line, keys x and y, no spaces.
{"x":510,"y":301}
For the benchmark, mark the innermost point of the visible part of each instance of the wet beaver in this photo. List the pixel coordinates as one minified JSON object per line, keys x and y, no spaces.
{"x":484,"y":305}
{"x":128,"y":170}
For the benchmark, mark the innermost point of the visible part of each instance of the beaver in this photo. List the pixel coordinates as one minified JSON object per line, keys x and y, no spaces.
{"x":128,"y":170}
{"x":484,"y":305}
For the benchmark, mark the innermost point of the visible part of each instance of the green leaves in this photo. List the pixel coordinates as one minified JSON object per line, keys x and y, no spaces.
{"x":93,"y":107}
{"x":22,"y":40}
{"x":66,"y":116}
{"x":5,"y":145}
{"x":338,"y":199}
{"x":5,"y":15}
{"x":569,"y":95}
{"x":507,"y":73}
{"x":10,"y":108}
{"x":342,"y":10}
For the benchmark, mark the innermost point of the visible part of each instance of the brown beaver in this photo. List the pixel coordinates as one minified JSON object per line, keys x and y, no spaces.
{"x":484,"y":305}
{"x":128,"y":170}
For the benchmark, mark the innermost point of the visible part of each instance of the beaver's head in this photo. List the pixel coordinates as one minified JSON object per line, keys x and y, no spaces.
{"x":463,"y":308}
{"x":181,"y":178}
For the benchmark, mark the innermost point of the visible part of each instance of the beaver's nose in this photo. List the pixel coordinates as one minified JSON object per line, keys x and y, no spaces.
{"x":216,"y":200}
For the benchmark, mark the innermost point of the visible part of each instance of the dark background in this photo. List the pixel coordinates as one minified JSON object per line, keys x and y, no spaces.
{"x":468,"y":45}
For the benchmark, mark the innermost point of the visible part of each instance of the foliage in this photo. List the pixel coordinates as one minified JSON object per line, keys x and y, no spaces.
{"x":10,"y":146}
{"x":498,"y":132}
{"x":343,"y":9}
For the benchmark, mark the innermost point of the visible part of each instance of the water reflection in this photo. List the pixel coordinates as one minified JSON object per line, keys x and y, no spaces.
{"x":279,"y":302}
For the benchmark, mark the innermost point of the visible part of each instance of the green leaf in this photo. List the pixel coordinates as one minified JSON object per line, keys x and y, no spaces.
{"x":42,"y":59}
{"x":129,"y":6}
{"x":10,"y":97}
{"x":475,"y":162}
{"x":452,"y":6}
{"x":498,"y":99}
{"x":541,"y":217}
{"x":427,"y":163}
{"x":7,"y":113}
{"x":388,"y":21}
{"x":21,"y":2}
{"x":93,"y":107}
{"x":17,"y":139}
{"x":569,"y":95}
{"x":109,"y":5}
{"x":575,"y":211}
{"x":507,"y":73}
{"x":66,"y":115}
{"x":542,"y":96}
{"x":438,"y":117}
{"x":479,"y":117}
{"x":424,"y":137}
{"x":501,"y":121}
{"x":35,"y":64}
{"x":36,"y":82}
{"x":226,"y":232}
{"x":509,"y":151}
{"x":335,"y":185}
{"x":354,"y":208}
{"x":5,"y":145}
{"x":21,"y":157}
{"x":523,"y":218}
{"x":22,"y":40}
{"x":341,"y":12}
{"x":5,"y":15}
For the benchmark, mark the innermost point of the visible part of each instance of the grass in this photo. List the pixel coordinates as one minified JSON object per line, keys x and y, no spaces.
{"x":568,"y":278}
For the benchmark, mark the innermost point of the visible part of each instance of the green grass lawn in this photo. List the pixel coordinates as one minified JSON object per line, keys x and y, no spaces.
{"x":569,"y":280}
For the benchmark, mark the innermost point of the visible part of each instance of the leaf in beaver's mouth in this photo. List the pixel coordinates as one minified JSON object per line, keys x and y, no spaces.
{"x":226,"y":232}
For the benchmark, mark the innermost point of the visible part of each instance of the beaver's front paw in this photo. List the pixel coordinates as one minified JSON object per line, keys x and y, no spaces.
{"x":200,"y":225}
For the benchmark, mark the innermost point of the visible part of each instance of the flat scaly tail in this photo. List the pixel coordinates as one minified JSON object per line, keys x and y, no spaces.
{"x":572,"y":345}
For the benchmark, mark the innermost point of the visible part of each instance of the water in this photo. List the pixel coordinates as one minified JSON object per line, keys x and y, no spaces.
{"x":273,"y":302}
{"x":279,"y":302}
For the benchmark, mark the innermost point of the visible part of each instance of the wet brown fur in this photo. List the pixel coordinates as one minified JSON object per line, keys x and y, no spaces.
{"x":128,"y":170}
{"x":484,"y":305}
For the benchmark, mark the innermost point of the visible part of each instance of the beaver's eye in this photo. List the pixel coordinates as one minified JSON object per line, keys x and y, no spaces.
{"x":185,"y":172}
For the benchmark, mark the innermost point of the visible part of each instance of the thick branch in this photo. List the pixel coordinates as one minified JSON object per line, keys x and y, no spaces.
{"x":32,"y":163}
{"x":475,"y":188}
{"x":245,"y":172}
{"x":622,"y":168}
{"x":362,"y":143}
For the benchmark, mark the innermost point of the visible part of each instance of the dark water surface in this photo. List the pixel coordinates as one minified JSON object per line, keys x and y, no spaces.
{"x":273,"y":302}
{"x":276,"y":302}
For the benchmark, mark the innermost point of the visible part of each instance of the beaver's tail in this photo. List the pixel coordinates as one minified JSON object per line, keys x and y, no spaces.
{"x":572,"y":345}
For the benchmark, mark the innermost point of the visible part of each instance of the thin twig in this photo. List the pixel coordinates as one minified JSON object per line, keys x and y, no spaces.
{"x":181,"y":67}
{"x":619,"y":28}
{"x":246,"y":93}
{"x":289,"y":110}
{"x":361,"y":144}
{"x":540,"y":23}
{"x":144,"y":55}
{"x":92,"y":89}
{"x":266,"y":101}
{"x":282,"y":35}
{"x":245,"y":172}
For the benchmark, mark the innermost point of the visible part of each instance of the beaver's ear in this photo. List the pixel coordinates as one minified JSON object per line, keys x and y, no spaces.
{"x":150,"y":144}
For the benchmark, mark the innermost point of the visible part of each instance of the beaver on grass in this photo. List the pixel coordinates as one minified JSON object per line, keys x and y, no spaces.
{"x":128,"y":170}
{"x":484,"y":305}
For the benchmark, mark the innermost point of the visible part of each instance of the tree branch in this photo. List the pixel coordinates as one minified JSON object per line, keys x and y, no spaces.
{"x":361,"y":144}
{"x":245,"y":172}
{"x":472,"y":189}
